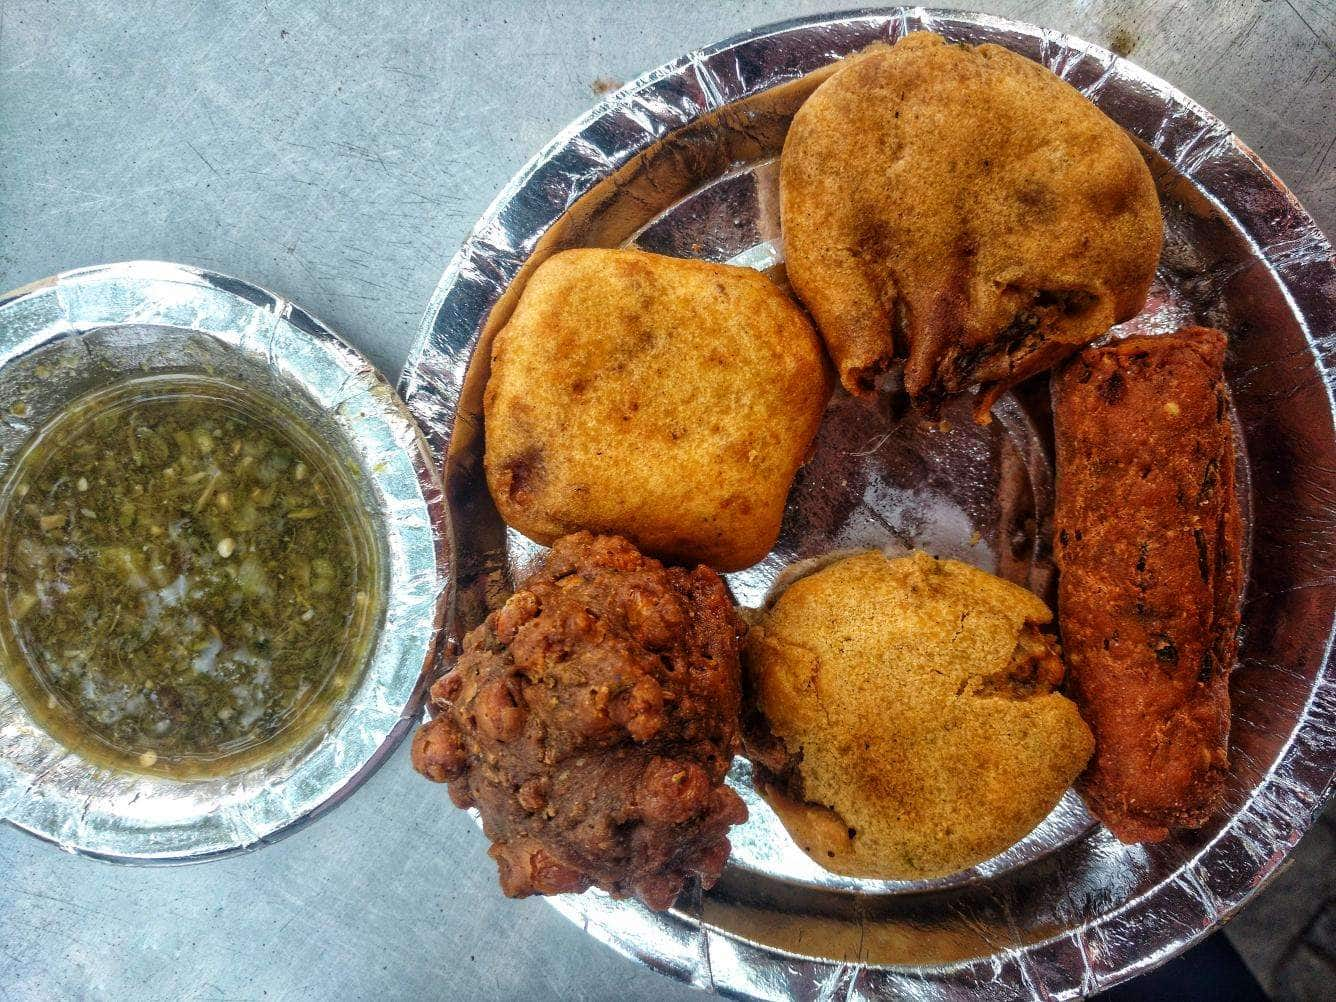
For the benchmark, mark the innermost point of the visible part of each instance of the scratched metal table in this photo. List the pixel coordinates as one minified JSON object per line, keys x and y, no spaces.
{"x":337,"y":153}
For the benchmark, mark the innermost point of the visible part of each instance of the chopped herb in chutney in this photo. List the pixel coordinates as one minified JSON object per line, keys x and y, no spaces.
{"x":186,"y":584}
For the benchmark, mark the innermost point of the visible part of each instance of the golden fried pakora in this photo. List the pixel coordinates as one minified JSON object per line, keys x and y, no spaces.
{"x":665,"y":400}
{"x":903,"y":717}
{"x":964,"y":207}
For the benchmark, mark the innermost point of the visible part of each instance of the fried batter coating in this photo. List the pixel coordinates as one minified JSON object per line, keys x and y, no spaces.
{"x":965,"y":207}
{"x":1148,"y":549}
{"x":591,"y":720}
{"x":903,"y":716}
{"x":664,"y":400}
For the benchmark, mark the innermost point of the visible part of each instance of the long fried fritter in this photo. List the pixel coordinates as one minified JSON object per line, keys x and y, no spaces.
{"x":1148,"y":540}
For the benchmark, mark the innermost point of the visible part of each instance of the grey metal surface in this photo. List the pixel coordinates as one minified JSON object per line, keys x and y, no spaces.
{"x":338,"y":153}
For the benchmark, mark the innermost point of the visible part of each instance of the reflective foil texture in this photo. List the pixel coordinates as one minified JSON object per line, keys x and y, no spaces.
{"x":682,"y":161}
{"x":66,"y":336}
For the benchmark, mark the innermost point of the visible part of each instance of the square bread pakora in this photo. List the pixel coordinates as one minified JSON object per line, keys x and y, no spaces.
{"x":669,"y":401}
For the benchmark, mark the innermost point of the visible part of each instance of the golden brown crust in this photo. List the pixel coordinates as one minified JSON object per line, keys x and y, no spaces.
{"x":1147,"y":540}
{"x":665,"y":400}
{"x":902,"y":715}
{"x":968,"y":204}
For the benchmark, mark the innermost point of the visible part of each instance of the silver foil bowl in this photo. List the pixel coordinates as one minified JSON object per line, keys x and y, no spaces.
{"x":84,"y":330}
{"x":682,"y":161}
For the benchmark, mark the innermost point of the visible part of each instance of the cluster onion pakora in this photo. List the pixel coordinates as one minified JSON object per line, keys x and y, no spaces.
{"x":591,"y":721}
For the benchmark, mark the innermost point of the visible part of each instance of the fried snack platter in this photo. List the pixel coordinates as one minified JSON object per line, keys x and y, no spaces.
{"x":684,"y":162}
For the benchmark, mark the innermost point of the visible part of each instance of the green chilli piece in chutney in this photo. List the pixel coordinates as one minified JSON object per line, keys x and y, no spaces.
{"x":187,"y":584}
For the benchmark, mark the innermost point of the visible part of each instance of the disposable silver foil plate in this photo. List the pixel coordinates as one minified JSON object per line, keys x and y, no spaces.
{"x":683,"y":162}
{"x":83,"y":330}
